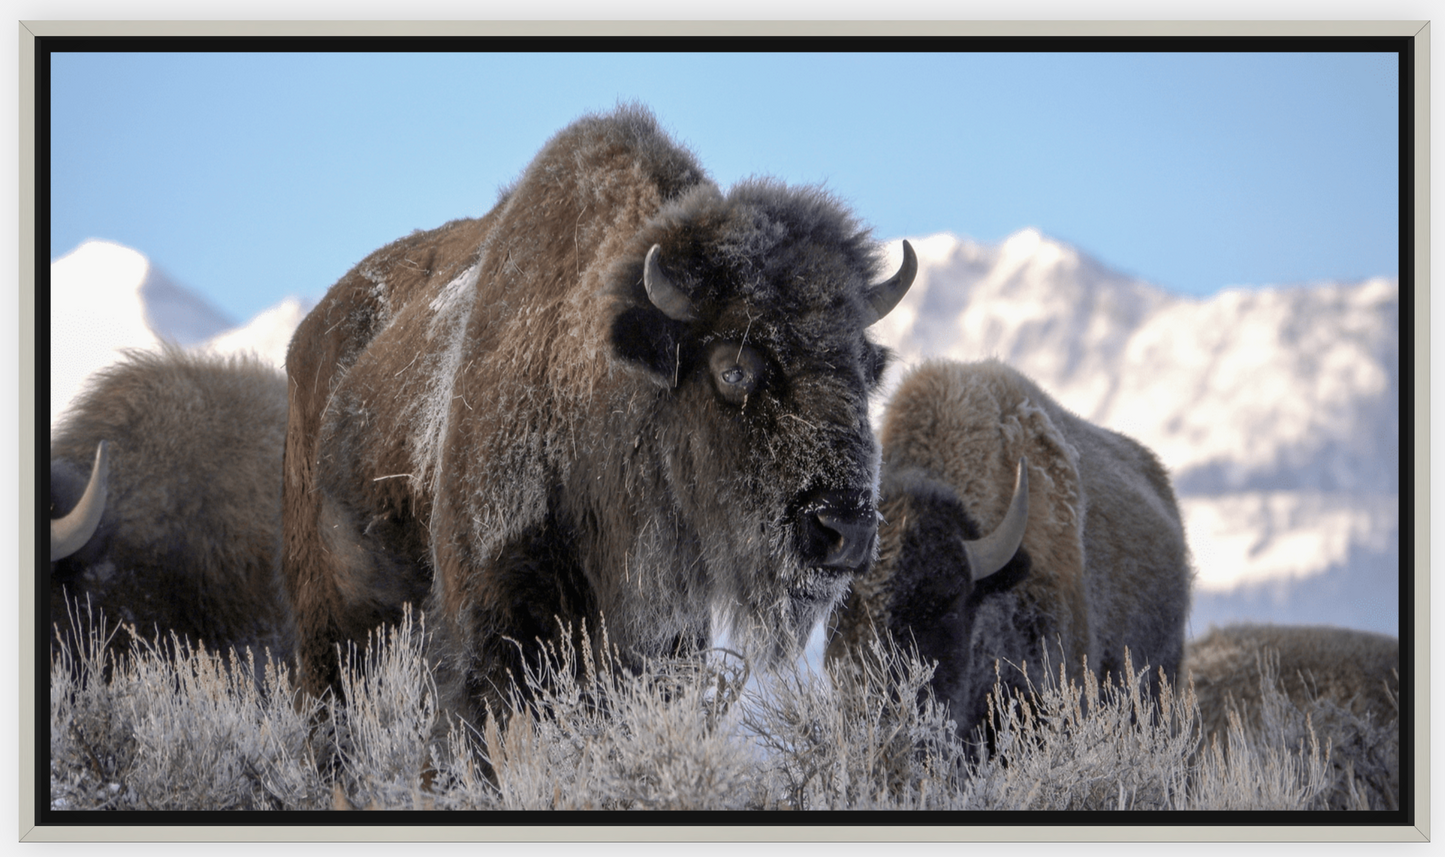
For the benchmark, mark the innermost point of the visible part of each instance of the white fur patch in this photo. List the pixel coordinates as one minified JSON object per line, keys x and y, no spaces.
{"x":430,"y":412}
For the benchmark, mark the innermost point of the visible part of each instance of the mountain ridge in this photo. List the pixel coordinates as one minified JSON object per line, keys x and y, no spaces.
{"x":1111,"y":348}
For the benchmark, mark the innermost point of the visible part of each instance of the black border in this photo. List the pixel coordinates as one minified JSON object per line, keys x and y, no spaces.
{"x":941,"y":821}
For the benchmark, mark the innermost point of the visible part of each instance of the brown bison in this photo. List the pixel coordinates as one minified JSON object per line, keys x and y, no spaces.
{"x":1102,"y":564}
{"x":1346,"y":681}
{"x":622,"y":397}
{"x":176,"y":524}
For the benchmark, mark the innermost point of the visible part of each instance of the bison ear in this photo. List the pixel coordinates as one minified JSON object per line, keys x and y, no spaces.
{"x":648,"y":339}
{"x":649,"y":335}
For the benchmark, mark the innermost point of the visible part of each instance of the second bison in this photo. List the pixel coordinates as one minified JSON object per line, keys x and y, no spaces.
{"x":179,"y":527}
{"x":623,"y":396}
{"x":1102,"y":565}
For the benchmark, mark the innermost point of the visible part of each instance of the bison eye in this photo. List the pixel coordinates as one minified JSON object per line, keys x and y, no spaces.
{"x":736,"y":370}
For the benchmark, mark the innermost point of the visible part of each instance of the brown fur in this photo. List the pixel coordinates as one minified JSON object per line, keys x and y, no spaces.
{"x":1106,"y":558}
{"x":493,"y":417}
{"x":1323,"y":671}
{"x":189,"y":541}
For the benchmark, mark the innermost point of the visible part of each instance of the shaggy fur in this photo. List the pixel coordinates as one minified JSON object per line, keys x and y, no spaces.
{"x":190,"y":538}
{"x":493,"y":417}
{"x":1347,"y":681}
{"x":1103,"y":565}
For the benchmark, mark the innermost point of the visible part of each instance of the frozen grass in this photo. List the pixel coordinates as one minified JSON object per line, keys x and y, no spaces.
{"x":206,"y":731}
{"x":195,"y":731}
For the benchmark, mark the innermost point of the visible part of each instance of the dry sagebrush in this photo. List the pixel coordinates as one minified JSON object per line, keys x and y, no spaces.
{"x":586,"y":733}
{"x":145,"y":731}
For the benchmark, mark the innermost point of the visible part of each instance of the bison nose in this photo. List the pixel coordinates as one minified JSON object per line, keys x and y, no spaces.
{"x":838,"y":535}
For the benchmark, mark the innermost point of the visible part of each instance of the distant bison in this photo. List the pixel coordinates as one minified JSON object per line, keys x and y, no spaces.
{"x":1348,"y":682}
{"x":185,"y":536}
{"x":1103,"y":564}
{"x":620,"y":397}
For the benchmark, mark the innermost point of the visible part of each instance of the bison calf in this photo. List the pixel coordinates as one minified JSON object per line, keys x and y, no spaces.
{"x":185,"y":534}
{"x":1102,"y":564}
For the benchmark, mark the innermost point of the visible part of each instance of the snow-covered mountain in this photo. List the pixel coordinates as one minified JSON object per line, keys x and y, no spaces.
{"x":267,"y":335}
{"x":1276,"y":410}
{"x":105,"y":298}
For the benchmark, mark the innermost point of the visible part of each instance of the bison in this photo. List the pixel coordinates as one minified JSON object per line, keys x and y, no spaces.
{"x":1099,"y":566}
{"x":1346,"y":681}
{"x":622,"y":399}
{"x":176,"y":525}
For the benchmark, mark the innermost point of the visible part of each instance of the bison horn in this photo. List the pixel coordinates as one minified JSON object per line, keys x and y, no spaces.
{"x":70,"y":533}
{"x":992,"y":552}
{"x":884,"y":296}
{"x":663,"y":294}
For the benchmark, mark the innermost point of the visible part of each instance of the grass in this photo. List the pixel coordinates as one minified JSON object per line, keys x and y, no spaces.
{"x":148,"y":729}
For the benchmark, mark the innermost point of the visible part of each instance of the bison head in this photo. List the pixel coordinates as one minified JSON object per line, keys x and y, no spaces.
{"x":933,"y":574}
{"x":749,"y":312}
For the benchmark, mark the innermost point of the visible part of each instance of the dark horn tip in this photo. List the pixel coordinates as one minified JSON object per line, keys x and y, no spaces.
{"x":884,"y":296}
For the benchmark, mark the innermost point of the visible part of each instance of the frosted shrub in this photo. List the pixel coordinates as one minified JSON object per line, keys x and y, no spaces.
{"x":1086,"y":745}
{"x":1240,"y":774}
{"x":209,"y":738}
{"x":589,"y":733}
{"x":382,"y":730}
{"x":870,"y":737}
{"x":1313,"y":752}
{"x":168,"y":726}
{"x":1109,"y":745}
{"x":176,"y":727}
{"x":92,"y":750}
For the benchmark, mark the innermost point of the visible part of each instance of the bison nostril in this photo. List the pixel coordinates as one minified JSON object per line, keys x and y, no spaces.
{"x":846,"y":536}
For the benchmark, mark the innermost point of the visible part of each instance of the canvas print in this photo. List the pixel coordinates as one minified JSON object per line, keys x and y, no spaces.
{"x":972,"y":430}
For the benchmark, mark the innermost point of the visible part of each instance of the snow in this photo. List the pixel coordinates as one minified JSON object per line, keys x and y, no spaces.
{"x":267,"y":335}
{"x":1276,"y":410}
{"x":1260,"y":536}
{"x":104,"y":298}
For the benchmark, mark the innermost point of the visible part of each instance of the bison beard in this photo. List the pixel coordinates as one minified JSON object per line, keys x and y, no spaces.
{"x":620,"y":397}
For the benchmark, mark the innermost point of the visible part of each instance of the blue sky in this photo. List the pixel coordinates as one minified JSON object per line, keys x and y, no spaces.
{"x":251,"y":177}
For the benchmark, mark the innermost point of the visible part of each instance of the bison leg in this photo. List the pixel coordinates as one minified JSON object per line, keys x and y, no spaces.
{"x":351,"y":559}
{"x":534,"y":597}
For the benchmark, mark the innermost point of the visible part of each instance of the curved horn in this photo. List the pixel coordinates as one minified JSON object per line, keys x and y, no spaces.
{"x":70,"y":533}
{"x":884,"y":296}
{"x":992,"y":552}
{"x":663,"y":294}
